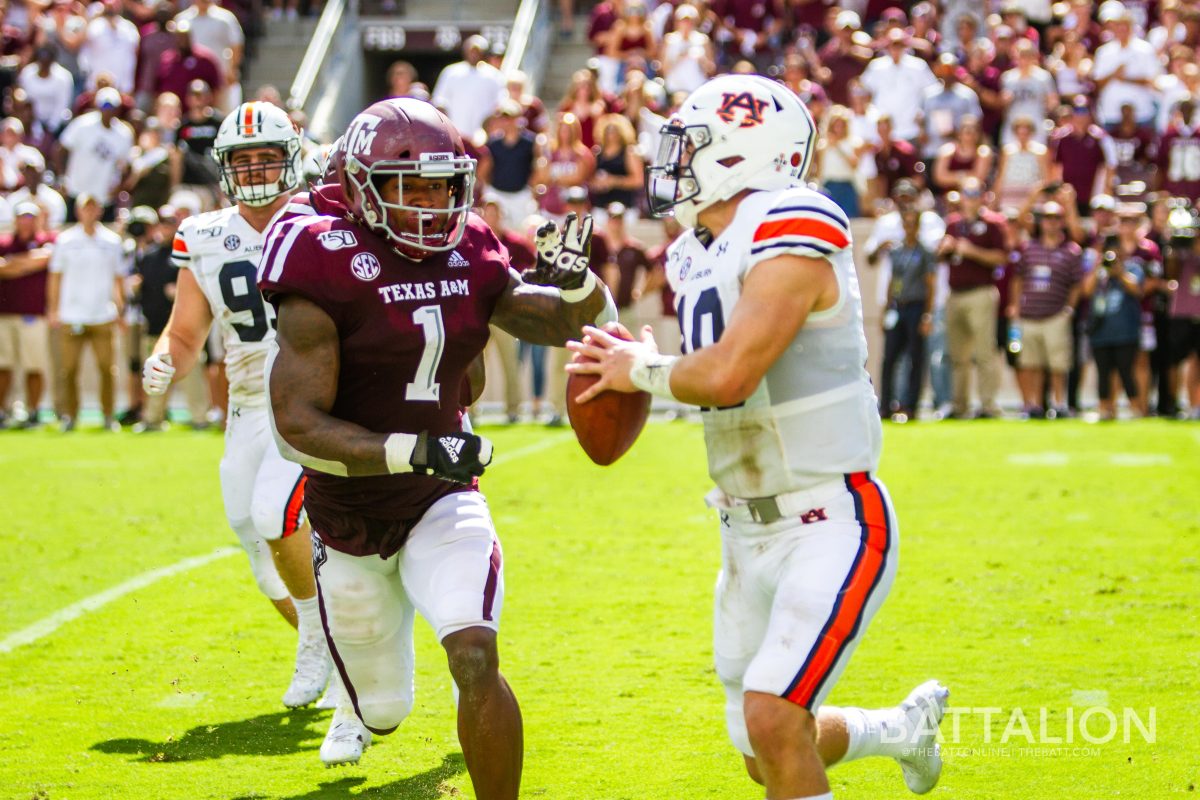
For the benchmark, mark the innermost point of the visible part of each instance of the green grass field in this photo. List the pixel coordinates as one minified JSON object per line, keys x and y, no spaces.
{"x":1043,"y":565}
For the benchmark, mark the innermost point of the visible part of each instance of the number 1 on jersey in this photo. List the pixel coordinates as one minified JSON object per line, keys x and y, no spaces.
{"x":424,"y":387}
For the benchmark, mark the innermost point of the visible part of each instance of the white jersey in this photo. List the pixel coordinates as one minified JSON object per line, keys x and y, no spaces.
{"x":814,"y":416}
{"x":222,"y":250}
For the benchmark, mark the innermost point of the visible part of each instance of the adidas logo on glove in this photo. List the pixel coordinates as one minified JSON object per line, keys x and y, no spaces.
{"x":452,"y":446}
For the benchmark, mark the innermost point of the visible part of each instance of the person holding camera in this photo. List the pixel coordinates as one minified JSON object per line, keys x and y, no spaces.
{"x":1115,"y":290}
{"x":908,"y":318}
{"x":1043,"y":292}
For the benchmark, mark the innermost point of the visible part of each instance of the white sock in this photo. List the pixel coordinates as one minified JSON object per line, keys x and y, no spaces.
{"x":875,"y":732}
{"x":826,"y":796}
{"x":308,"y":614}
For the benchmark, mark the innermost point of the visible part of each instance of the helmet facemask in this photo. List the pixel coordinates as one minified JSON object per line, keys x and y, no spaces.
{"x":249,"y":183}
{"x":671,"y":183}
{"x":426,"y":229}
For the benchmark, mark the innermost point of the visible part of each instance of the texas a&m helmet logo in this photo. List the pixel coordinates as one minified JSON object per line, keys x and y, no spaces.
{"x":745,"y":102}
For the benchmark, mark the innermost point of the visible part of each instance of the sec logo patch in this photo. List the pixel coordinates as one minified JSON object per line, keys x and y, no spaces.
{"x":365,"y":266}
{"x":232,"y":242}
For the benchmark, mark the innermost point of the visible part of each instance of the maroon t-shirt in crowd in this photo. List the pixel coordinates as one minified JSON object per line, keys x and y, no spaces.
{"x":631,"y":258}
{"x":988,"y":78}
{"x":603,"y":18}
{"x":1047,"y":276}
{"x":842,"y":67}
{"x":986,"y":232}
{"x":900,"y":161}
{"x":1135,"y":153}
{"x":1081,"y":157}
{"x":390,"y":314}
{"x":1179,"y":162}
{"x":747,"y":15}
{"x":26,"y":295}
{"x":521,"y":254}
{"x":176,"y":71}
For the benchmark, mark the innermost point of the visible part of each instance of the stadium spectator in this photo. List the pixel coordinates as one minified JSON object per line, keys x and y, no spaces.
{"x":973,"y":248}
{"x":563,"y":163}
{"x":218,"y":31}
{"x":796,"y":70}
{"x":968,"y":156}
{"x":50,"y":89}
{"x":24,"y":335}
{"x":843,"y":59}
{"x":601,"y":24}
{"x":53,"y":208}
{"x":983,"y":77}
{"x":168,"y":111}
{"x":1071,"y":65}
{"x":1125,"y":68}
{"x":86,"y":101}
{"x":1046,"y":272}
{"x":586,"y":102}
{"x":62,"y":33}
{"x":944,"y":107}
{"x":1027,"y":90}
{"x":156,"y":40}
{"x":628,"y":268}
{"x":1024,"y":164}
{"x":1114,"y":289}
{"x":688,"y":58}
{"x":514,"y":159}
{"x":532,"y":108}
{"x":85,"y":304}
{"x":895,"y":159}
{"x":1084,"y":154}
{"x":93,"y":153}
{"x":506,"y":348}
{"x":1179,"y":154}
{"x":401,"y":76}
{"x":619,"y":171}
{"x":111,"y":46}
{"x":836,"y":161}
{"x":1170,"y":28}
{"x":470,"y":90}
{"x":1136,"y":148}
{"x":195,"y":167}
{"x":1183,"y":340}
{"x":631,"y":40}
{"x":897,"y":81}
{"x":187,"y":62}
{"x":150,"y":179}
{"x":907,"y":318}
{"x":14,"y":153}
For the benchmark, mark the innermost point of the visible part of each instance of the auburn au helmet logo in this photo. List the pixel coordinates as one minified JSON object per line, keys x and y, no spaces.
{"x":746,"y":102}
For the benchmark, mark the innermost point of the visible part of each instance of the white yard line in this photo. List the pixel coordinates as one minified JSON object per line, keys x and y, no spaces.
{"x":48,"y":625}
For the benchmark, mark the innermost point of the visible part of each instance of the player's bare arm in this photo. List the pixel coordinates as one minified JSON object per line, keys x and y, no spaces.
{"x":187,"y":327}
{"x":550,"y":304}
{"x":777,"y":297}
{"x":302,"y":385}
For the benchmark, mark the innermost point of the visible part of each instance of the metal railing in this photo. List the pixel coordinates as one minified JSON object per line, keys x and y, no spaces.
{"x":316,"y":54}
{"x":529,"y":43}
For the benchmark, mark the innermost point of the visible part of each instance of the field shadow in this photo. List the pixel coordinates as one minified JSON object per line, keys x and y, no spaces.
{"x":427,"y":785}
{"x":278,"y":733}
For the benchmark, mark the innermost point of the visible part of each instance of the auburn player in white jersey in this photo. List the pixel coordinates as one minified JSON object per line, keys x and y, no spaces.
{"x":258,"y":149}
{"x":775,"y":353}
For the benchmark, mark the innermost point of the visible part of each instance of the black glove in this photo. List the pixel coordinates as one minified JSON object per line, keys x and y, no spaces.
{"x":456,"y":457}
{"x":562,"y":256}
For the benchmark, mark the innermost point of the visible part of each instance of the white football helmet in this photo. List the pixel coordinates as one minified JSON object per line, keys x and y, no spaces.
{"x":258,"y":124}
{"x":735,"y":132}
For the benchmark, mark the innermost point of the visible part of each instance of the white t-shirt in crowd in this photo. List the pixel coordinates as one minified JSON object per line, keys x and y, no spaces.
{"x":897,"y":89}
{"x":111,"y":46}
{"x":89,"y":265}
{"x":50,"y":96}
{"x":11,"y":162}
{"x":1140,"y":62}
{"x":51,"y":201}
{"x":97,"y":155}
{"x":469,"y":94}
{"x":218,"y":29}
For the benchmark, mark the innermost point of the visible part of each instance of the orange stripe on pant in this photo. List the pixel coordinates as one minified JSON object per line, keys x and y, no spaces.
{"x":291,"y":513}
{"x":864,"y":574}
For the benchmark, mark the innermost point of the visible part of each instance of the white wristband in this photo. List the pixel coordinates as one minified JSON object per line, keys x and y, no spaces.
{"x":398,"y":450}
{"x":652,"y":373}
{"x":583,"y":292}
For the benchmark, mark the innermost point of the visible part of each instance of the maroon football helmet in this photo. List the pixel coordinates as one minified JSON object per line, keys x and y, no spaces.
{"x":399,"y":138}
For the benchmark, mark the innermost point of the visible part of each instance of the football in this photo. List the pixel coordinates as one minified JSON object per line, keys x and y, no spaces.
{"x":608,"y":424}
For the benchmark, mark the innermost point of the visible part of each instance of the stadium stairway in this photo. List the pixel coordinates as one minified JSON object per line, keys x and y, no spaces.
{"x":566,"y":56}
{"x":279,"y":53}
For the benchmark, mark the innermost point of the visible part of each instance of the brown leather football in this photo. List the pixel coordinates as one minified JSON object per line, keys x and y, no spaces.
{"x":608,"y":424}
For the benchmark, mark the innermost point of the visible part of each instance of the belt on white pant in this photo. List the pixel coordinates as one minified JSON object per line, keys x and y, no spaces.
{"x":765,"y":510}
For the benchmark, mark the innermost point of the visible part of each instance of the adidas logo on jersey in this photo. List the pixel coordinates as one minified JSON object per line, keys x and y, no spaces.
{"x":457,"y":260}
{"x":452,"y":446}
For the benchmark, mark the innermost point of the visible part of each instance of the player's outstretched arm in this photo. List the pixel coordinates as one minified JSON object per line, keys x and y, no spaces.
{"x":179,"y":345}
{"x":302,"y":379}
{"x":550,"y":304}
{"x":777,"y":297}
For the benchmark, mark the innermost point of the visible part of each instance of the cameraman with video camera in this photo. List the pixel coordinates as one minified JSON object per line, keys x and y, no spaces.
{"x":1182,"y":264}
{"x":1115,"y":290}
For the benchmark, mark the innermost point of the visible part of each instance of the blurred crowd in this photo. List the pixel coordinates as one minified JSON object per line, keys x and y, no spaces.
{"x":1025,"y":175}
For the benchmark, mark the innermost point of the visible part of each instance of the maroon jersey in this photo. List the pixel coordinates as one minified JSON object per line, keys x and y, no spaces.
{"x":1179,"y":162}
{"x":25,"y":295}
{"x":408,"y":331}
{"x":986,"y":232}
{"x":1082,"y":156}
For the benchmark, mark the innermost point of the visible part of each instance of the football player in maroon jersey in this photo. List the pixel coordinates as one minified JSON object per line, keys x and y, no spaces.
{"x":381,"y":312}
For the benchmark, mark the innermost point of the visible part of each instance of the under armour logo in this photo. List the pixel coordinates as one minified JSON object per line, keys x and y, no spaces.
{"x":452,"y":446}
